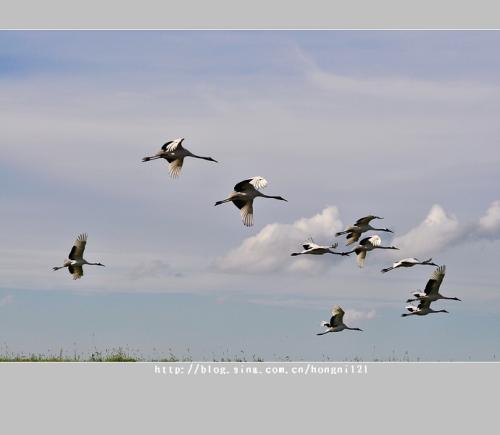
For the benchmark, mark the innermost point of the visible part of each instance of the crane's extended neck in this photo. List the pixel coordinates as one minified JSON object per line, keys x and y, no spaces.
{"x":272,"y":197}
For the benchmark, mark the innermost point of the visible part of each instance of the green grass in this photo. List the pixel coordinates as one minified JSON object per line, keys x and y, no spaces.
{"x":124,"y":355}
{"x":114,"y":355}
{"x":121,"y":354}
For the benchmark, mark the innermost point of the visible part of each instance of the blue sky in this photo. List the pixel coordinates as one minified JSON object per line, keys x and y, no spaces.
{"x":341,"y":123}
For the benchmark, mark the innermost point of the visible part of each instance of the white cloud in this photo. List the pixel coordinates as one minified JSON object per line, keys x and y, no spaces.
{"x":269,"y":250}
{"x":440,"y":230}
{"x":437,"y":231}
{"x":490,"y":222}
{"x":359,"y":315}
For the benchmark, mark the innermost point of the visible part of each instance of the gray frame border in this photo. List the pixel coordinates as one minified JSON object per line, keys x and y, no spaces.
{"x":255,"y":14}
{"x":128,"y":398}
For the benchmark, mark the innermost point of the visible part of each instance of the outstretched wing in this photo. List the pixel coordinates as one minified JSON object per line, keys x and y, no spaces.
{"x":251,"y":183}
{"x":408,"y":261}
{"x":337,"y":316}
{"x":310,"y":245}
{"x":371,"y":242}
{"x":424,"y":304}
{"x":173,"y":145}
{"x":432,"y":286}
{"x":175,"y":166}
{"x":360,"y":256}
{"x":365,"y":241}
{"x":247,"y":214}
{"x":352,"y":237}
{"x":366,"y":220}
{"x":246,"y":211}
{"x":76,"y":271}
{"x":78,"y":248}
{"x":166,"y":144}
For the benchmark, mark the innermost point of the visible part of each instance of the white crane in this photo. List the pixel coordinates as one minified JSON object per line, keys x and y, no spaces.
{"x":409,"y":262}
{"x":424,"y":308}
{"x":75,"y":258}
{"x":174,"y":153}
{"x":313,"y":249}
{"x":360,"y":226}
{"x":243,"y":195}
{"x":368,"y":244}
{"x":431,"y":291}
{"x":336,"y":323}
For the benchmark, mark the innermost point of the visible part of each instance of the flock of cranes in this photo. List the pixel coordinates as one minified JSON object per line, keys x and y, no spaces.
{"x":242,"y":197}
{"x":353,"y":233}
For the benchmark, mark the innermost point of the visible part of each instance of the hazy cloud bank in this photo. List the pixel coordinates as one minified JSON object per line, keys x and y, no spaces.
{"x":270,"y":249}
{"x":440,"y":230}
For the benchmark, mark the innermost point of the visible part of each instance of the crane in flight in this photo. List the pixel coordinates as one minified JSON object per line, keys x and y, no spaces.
{"x":312,"y":248}
{"x":423,"y":308}
{"x":353,"y":232}
{"x":243,"y":195}
{"x":174,"y":153}
{"x":336,"y":323}
{"x":368,"y":244}
{"x":431,"y":291}
{"x":408,"y":262}
{"x":75,"y":260}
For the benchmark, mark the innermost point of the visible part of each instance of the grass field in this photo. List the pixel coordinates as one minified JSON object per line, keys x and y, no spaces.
{"x":113,"y":355}
{"x":125,"y":355}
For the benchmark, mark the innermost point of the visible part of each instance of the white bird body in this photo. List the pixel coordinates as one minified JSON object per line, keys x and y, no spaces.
{"x":360,"y":226}
{"x":431,"y":291}
{"x":423,"y":308}
{"x":75,"y":259}
{"x":311,"y":248}
{"x":243,"y":195}
{"x":409,"y":262}
{"x":368,"y":244}
{"x":336,"y":323}
{"x":174,"y":153}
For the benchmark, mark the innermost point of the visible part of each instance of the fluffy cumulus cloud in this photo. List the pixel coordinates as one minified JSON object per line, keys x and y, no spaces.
{"x":437,"y":231}
{"x":269,"y":250}
{"x":489,"y":224}
{"x":440,"y":230}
